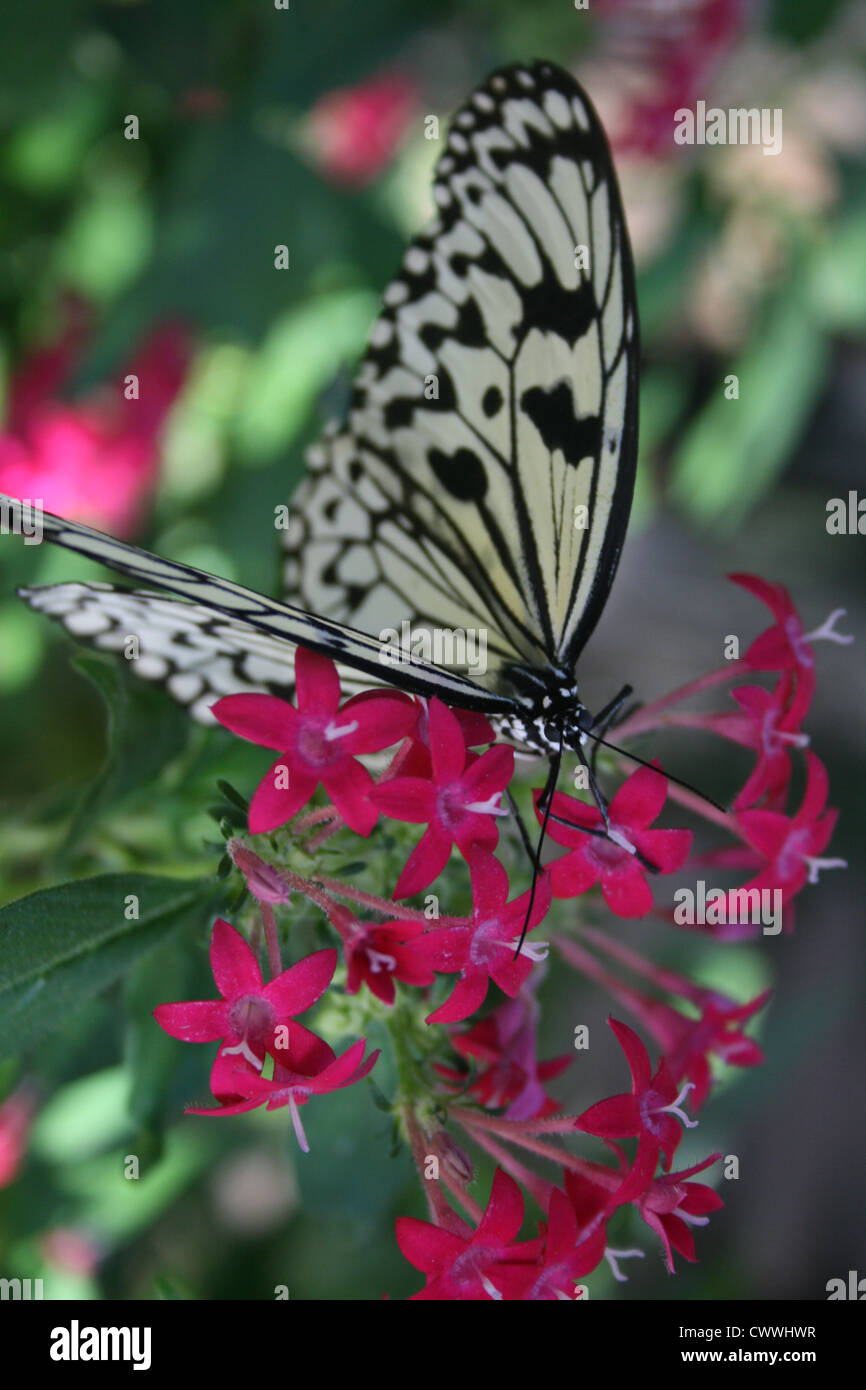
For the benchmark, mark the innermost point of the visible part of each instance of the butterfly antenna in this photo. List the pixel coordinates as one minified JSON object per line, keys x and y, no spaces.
{"x":624,"y":753}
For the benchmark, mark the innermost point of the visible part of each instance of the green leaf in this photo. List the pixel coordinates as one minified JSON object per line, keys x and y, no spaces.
{"x":61,"y":946}
{"x":144,"y":732}
{"x":838,"y":277}
{"x":735,"y":449}
{"x":231,"y":794}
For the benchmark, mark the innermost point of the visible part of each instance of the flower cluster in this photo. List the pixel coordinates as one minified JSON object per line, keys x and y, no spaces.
{"x":465,"y":1032}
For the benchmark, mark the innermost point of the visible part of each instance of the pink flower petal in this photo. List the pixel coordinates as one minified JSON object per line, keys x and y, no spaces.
{"x":635,"y":1054}
{"x":447,"y":748}
{"x":200,"y":1021}
{"x":489,"y":884}
{"x":626,"y":891}
{"x":235,"y":968}
{"x":382,"y":721}
{"x":297,"y":989}
{"x":467,"y":996}
{"x":616,"y":1118}
{"x":271,"y":805}
{"x":572,"y":875}
{"x":261,"y":719}
{"x":317,"y":684}
{"x":489,"y":774}
{"x":410,"y":799}
{"x":640,"y":799}
{"x":349,"y":788}
{"x":425,"y":863}
{"x":427,"y":1247}
{"x":503,"y":1218}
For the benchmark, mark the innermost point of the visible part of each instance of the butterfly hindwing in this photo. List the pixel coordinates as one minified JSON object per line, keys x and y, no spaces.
{"x":196,"y":654}
{"x":485,"y":473}
{"x":241,"y":618}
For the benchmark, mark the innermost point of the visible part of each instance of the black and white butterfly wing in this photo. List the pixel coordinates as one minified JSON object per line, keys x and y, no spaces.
{"x":485,"y":474}
{"x":218,"y":619}
{"x":194,"y":652}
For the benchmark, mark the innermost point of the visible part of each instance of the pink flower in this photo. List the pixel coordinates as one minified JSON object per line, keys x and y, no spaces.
{"x":569,"y":1252}
{"x":311,"y":1069}
{"x":487,"y":1264}
{"x":484,"y":949}
{"x":380,"y":954}
{"x":70,"y":1250}
{"x":249,"y":1011}
{"x":786,"y":646}
{"x":669,"y":51}
{"x":772,"y":728}
{"x":789,"y":848}
{"x":16,"y":1115}
{"x":320,"y":739}
{"x":671,"y":1204}
{"x":505,"y":1044}
{"x":651,"y":1112}
{"x":355,"y":131}
{"x":688,"y":1042}
{"x":613,"y":862}
{"x":459,"y":805}
{"x":94,"y":460}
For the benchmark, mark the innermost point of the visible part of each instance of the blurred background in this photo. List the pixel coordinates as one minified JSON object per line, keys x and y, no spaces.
{"x":152,"y":156}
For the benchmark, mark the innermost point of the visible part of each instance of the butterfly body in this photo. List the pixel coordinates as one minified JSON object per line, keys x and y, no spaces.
{"x":549,"y":717}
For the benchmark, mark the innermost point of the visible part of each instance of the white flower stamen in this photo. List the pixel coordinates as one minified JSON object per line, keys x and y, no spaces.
{"x":817,"y":865}
{"x":334,"y":731}
{"x":246,"y":1051}
{"x":827,"y":631}
{"x":491,"y":807}
{"x":613,"y":1255}
{"x":675,"y":1109}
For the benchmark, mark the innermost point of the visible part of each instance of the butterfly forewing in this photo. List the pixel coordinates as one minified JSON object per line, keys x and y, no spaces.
{"x":486,"y":470}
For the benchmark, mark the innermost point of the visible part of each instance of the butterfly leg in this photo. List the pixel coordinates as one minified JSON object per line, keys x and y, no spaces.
{"x":546,"y":801}
{"x":597,"y":793}
{"x":605,"y":717}
{"x":518,"y":820}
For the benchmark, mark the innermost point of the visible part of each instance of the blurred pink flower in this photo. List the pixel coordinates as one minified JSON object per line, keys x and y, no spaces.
{"x":665,"y":55}
{"x":16,"y":1114}
{"x":354,"y":131}
{"x":71,"y":1250}
{"x":96,"y":459}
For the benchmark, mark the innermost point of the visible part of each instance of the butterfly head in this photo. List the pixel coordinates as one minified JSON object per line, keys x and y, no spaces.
{"x":551,"y":717}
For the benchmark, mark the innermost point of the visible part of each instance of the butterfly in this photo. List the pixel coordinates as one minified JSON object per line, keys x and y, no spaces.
{"x":483,"y":478}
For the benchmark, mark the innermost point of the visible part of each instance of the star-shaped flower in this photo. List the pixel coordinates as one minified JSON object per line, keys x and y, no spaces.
{"x":612,"y":861}
{"x":485,"y":948}
{"x":651,"y":1111}
{"x":311,"y":1069}
{"x":671,"y":1205}
{"x":459,"y":803}
{"x":487,"y":1264}
{"x":320,"y":742}
{"x":249,"y":1010}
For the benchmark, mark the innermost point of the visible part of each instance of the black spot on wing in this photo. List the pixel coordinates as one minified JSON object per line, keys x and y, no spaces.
{"x":552,"y":413}
{"x":461,"y":474}
{"x":491,"y":402}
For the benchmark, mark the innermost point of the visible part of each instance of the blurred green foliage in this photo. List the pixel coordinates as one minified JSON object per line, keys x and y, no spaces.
{"x":183,"y":223}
